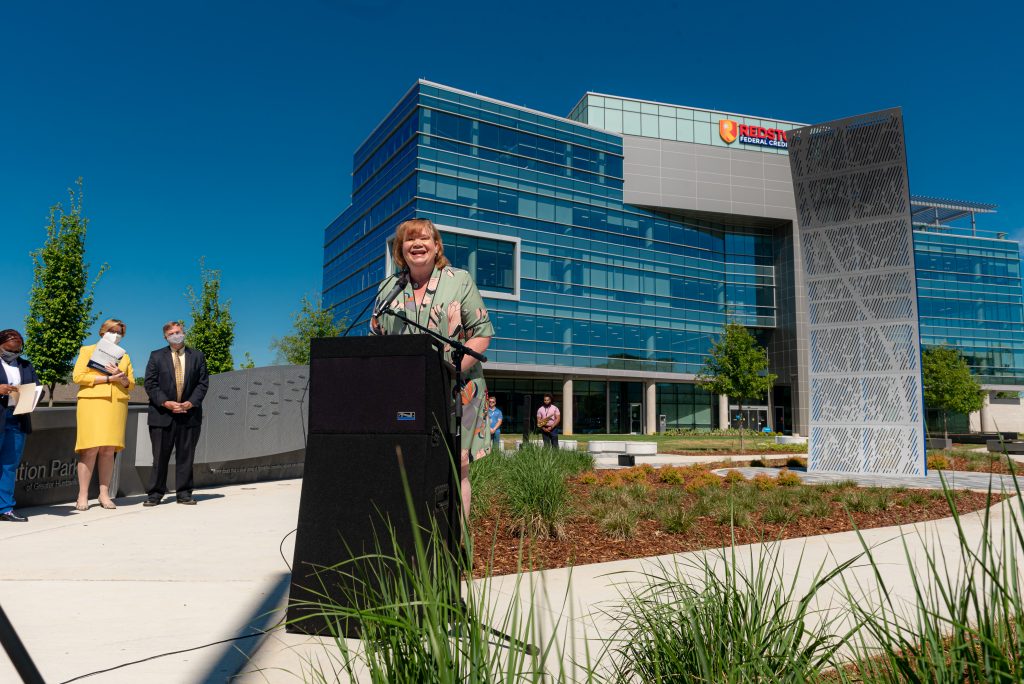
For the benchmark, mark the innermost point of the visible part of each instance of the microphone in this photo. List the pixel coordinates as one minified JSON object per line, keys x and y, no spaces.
{"x":403,"y":280}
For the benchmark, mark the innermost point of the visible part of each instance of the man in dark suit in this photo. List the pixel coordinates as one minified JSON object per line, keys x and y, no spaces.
{"x":176,"y":382}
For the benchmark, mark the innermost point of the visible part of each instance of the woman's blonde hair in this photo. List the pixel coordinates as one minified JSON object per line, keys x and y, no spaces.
{"x":112,"y":322}
{"x":440,"y":260}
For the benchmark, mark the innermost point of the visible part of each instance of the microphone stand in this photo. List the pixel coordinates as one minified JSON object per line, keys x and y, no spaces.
{"x":459,"y":352}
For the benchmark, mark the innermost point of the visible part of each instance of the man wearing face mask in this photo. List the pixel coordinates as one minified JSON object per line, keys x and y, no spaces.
{"x":101,"y":414}
{"x":14,"y":371}
{"x":176,"y":381}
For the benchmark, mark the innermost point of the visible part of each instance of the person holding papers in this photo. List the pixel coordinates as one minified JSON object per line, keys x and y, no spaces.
{"x":103,"y":373}
{"x":14,"y":371}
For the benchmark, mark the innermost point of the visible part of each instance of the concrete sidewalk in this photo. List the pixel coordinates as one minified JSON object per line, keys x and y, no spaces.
{"x":95,"y":590}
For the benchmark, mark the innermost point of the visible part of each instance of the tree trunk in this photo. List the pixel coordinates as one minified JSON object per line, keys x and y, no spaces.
{"x":945,"y":424}
{"x":49,"y":399}
{"x":740,"y":405}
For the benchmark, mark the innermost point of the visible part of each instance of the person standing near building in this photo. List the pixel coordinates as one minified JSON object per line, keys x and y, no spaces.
{"x":176,"y":381}
{"x":446,"y":300}
{"x":548,"y":420}
{"x":14,"y":371}
{"x":495,"y":418}
{"x":102,"y":413}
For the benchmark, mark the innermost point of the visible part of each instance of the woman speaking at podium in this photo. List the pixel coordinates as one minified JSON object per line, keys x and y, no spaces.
{"x":444,"y":299}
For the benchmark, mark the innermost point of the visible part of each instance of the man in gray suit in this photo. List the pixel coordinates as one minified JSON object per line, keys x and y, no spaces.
{"x":176,"y":382}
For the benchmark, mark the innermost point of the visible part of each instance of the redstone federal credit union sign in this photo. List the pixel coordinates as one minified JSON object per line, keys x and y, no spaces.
{"x":730,"y":132}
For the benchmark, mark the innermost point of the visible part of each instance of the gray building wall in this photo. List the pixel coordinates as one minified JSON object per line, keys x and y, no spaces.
{"x":745,"y":188}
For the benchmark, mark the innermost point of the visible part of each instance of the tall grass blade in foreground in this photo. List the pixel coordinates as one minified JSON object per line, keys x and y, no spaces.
{"x":967,"y":624}
{"x":418,"y":621}
{"x":716,"y":619}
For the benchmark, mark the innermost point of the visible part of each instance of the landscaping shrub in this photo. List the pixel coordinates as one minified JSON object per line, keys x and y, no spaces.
{"x":796,"y":462}
{"x":938,"y":462}
{"x":764,"y":482}
{"x":757,"y":463}
{"x":589,"y":478}
{"x":787,"y":478}
{"x":633,"y":475}
{"x":670,"y":475}
{"x":703,"y":481}
{"x":734,"y":476}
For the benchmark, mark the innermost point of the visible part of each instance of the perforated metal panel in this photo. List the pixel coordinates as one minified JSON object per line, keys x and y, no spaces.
{"x":853,"y":206}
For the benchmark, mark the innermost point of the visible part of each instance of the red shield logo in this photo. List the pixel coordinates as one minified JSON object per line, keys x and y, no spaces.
{"x":727,"y":130}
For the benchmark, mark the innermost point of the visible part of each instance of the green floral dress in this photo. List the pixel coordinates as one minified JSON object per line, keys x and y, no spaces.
{"x":453,"y":307}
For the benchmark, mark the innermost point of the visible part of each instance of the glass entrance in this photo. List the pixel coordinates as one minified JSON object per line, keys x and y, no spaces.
{"x":636,"y":419}
{"x":750,"y":418}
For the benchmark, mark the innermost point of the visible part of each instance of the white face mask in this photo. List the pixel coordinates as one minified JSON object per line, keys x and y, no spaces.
{"x":176,"y":338}
{"x":112,"y":337}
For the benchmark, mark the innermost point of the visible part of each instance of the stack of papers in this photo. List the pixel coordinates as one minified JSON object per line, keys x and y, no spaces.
{"x":106,"y":354}
{"x":27,"y":398}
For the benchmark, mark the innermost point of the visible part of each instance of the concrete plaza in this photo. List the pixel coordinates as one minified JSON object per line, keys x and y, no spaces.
{"x":100,"y":589}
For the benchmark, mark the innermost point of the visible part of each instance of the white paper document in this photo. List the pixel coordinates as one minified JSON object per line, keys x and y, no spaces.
{"x":27,"y":398}
{"x":106,"y":354}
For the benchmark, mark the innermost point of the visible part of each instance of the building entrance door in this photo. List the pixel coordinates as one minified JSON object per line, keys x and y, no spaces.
{"x":750,"y":418}
{"x":636,"y":419}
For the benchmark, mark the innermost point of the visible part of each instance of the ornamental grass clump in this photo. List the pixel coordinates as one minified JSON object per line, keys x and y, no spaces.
{"x":719,"y":617}
{"x":964,"y":624}
{"x":764,"y":482}
{"x":535,"y":492}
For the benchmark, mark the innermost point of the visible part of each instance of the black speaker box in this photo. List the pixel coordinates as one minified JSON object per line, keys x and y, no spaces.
{"x":378,"y":408}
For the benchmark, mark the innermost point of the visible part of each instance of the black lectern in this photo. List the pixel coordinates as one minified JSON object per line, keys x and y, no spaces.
{"x":377,"y":405}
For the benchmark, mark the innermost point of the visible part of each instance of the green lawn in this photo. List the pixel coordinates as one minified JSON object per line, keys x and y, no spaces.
{"x":752,"y":442}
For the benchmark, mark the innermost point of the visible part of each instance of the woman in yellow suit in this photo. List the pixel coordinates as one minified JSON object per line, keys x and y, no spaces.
{"x":102,"y":414}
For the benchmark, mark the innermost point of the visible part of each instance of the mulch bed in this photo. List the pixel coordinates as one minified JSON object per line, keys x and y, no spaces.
{"x":498,"y":547}
{"x":997,"y":464}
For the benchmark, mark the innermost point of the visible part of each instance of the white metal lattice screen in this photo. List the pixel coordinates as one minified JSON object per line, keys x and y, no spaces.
{"x":853,"y":205}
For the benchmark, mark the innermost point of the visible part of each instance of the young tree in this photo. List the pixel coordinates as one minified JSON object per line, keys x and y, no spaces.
{"x":247,"y":362}
{"x":737,"y":367}
{"x":309,"y":322}
{"x":212,"y":331}
{"x":948,"y":384}
{"x":60,"y":302}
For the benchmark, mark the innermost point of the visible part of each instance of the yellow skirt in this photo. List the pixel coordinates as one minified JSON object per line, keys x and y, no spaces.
{"x":101,"y":423}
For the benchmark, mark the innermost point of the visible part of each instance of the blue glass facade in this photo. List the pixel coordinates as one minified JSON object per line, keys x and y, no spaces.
{"x":969,"y":297}
{"x":580,"y":283}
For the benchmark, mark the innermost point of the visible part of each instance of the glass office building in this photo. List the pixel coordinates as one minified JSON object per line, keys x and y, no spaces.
{"x":612,"y":245}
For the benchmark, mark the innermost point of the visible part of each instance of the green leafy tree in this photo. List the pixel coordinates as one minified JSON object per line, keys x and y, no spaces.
{"x":948,"y":384}
{"x":213,"y":330}
{"x":737,"y":367}
{"x":247,"y":362}
{"x":312,"y":320}
{"x":61,"y":300}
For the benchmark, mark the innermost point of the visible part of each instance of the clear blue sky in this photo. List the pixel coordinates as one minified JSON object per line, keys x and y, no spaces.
{"x":226,"y":129}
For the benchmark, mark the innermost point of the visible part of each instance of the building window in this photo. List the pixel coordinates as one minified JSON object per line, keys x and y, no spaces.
{"x":492,"y":260}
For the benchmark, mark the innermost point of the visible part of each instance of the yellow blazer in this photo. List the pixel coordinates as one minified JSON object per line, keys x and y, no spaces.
{"x":83,"y":377}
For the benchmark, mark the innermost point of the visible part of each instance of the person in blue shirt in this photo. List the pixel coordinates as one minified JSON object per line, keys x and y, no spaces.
{"x":496,"y":418}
